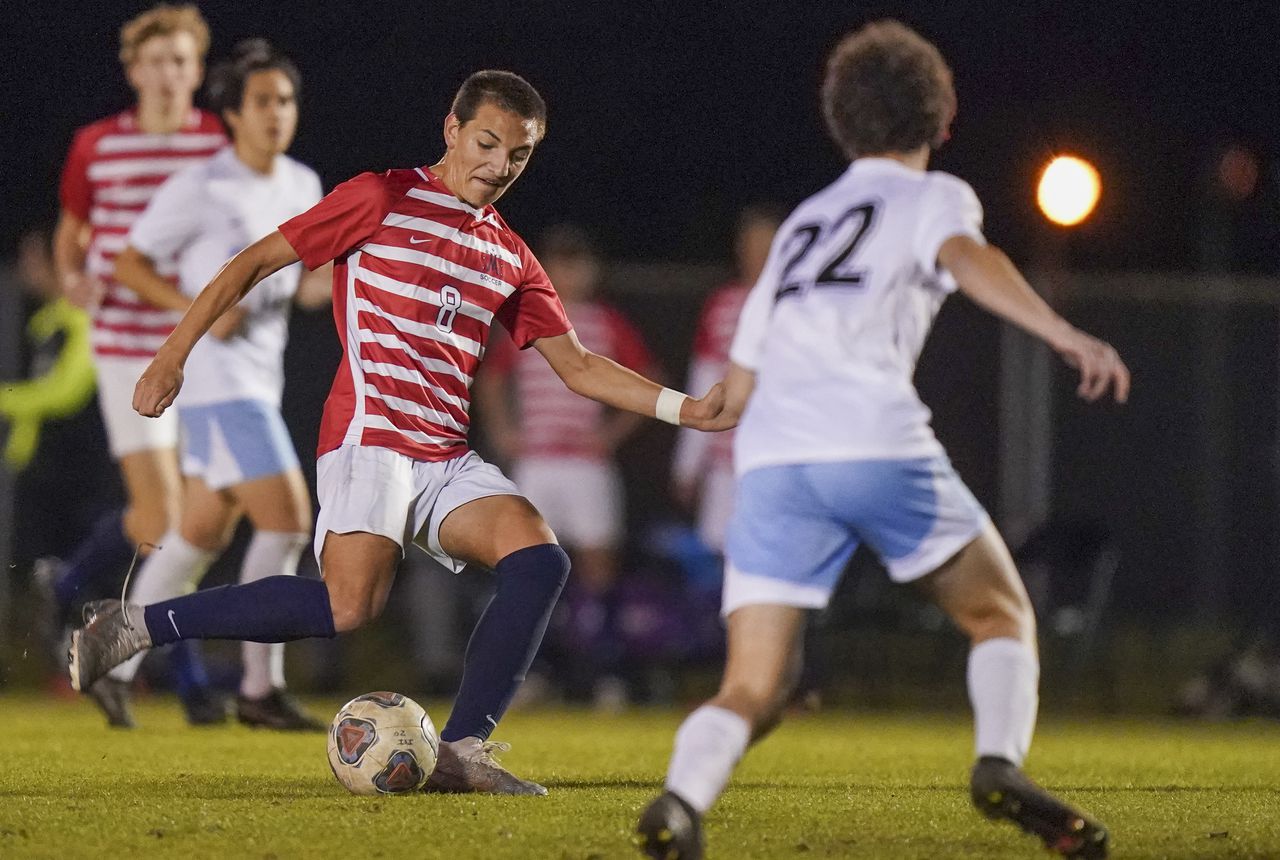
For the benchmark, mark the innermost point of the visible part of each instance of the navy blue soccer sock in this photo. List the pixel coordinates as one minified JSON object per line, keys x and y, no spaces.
{"x":101,"y":558}
{"x":273,"y":609}
{"x":506,"y":638}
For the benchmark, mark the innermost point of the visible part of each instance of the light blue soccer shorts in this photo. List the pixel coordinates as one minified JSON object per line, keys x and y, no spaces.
{"x":794,"y":527}
{"x":225,"y":444}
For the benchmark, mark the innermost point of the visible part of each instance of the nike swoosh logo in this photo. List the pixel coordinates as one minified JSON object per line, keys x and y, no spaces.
{"x":490,"y":718}
{"x":174,"y":623}
{"x":415,"y":240}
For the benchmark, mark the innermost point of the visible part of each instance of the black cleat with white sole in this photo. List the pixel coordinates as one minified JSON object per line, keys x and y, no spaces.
{"x":670,"y":829}
{"x":1000,"y":790}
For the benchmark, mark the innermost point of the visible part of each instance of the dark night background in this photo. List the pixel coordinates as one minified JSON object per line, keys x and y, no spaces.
{"x":666,"y":117}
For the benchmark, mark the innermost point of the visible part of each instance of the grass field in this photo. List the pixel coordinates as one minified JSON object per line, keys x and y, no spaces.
{"x":832,"y":785}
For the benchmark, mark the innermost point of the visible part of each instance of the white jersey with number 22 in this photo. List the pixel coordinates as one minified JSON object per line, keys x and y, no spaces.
{"x":836,"y":322}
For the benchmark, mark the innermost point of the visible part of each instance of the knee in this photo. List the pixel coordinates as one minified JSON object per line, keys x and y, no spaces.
{"x":1000,"y":616}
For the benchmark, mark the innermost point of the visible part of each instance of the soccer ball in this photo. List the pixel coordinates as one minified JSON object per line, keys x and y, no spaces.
{"x":382,"y":743}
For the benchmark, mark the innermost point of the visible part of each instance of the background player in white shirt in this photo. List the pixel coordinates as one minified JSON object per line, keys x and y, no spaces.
{"x":835,"y":448}
{"x":237,"y":457}
{"x":112,"y":169}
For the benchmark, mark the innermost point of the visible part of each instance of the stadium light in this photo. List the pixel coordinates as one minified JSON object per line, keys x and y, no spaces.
{"x":1068,"y":191}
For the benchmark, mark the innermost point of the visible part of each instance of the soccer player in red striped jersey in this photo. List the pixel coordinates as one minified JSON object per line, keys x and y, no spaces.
{"x":560,"y":447}
{"x":111,"y":171}
{"x":423,"y":265}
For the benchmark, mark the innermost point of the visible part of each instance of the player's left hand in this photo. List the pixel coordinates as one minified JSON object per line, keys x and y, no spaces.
{"x":708,"y":413}
{"x":158,"y":387}
{"x":1100,"y":367}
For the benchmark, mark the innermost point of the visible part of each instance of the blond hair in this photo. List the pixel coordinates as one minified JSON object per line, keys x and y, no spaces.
{"x":163,"y":20}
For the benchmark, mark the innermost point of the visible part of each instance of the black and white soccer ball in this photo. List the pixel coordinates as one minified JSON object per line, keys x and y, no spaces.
{"x":382,"y":743}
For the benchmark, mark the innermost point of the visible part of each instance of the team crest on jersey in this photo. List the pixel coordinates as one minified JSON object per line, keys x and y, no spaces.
{"x":491,"y":264}
{"x":402,"y":773}
{"x":386,"y":700}
{"x":354,"y":737}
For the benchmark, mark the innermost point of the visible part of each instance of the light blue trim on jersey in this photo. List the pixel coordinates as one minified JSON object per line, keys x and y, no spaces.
{"x":800,"y":523}
{"x":236,"y":441}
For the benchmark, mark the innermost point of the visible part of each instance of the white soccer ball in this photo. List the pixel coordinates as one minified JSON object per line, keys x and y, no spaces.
{"x":382,"y":743}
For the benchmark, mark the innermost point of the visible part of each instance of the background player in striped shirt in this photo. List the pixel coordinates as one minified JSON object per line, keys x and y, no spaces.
{"x":562,"y":448}
{"x":835,"y":447}
{"x":237,"y":457}
{"x":702,"y":470}
{"x":423,"y":264}
{"x":113,"y":168}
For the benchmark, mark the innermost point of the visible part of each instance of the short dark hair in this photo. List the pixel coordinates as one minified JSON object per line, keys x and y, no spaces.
{"x":225,"y":89}
{"x":506,"y":90}
{"x":887,"y":89}
{"x":567,"y":242}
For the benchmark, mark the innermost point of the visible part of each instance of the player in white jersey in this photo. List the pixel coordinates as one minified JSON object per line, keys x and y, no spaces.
{"x":835,"y":448}
{"x":113,"y":167}
{"x":237,"y":457}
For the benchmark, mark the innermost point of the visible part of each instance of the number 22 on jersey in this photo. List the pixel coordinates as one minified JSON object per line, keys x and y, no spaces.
{"x":838,"y":242}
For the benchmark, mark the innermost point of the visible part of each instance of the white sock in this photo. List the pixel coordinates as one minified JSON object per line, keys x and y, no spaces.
{"x":1004,"y":677}
{"x":172,"y":570}
{"x":269,"y":554}
{"x":708,"y":745}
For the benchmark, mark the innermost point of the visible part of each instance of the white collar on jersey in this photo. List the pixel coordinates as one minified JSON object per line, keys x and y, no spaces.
{"x":479,"y":214}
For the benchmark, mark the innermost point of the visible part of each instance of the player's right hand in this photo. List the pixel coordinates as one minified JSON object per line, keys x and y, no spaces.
{"x":1099,"y":364}
{"x":157,"y":388}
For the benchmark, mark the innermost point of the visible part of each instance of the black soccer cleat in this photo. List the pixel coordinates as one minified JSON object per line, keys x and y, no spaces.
{"x":112,"y":698}
{"x":1000,"y":790}
{"x":670,"y":829}
{"x":204,"y":707}
{"x":277,"y":710}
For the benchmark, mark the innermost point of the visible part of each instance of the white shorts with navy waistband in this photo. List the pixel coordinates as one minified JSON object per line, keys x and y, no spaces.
{"x":380,"y":491}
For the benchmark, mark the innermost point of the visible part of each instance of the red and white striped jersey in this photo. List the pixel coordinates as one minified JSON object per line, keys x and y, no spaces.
{"x":419,"y":278}
{"x":111,"y":172}
{"x":698,"y":452}
{"x":554,"y":422}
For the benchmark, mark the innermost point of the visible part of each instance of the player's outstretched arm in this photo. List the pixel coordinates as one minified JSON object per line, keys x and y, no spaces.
{"x":610,"y":383}
{"x":162,"y":379}
{"x":986,"y":275}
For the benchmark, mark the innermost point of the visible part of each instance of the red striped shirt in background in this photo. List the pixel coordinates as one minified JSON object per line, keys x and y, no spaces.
{"x":419,"y":278}
{"x":552,"y":420}
{"x":111,"y":172}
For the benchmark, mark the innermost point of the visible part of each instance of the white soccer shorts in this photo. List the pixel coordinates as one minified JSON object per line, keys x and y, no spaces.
{"x":580,"y":499}
{"x":380,"y":491}
{"x":127,"y":431}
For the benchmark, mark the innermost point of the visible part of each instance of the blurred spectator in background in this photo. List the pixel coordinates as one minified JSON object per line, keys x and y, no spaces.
{"x":1240,"y":235}
{"x":561,"y":447}
{"x":1241,"y":228}
{"x":703,"y":466}
{"x":51,"y":439}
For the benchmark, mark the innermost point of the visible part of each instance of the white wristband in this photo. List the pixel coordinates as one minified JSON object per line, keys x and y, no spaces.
{"x":669,"y":403}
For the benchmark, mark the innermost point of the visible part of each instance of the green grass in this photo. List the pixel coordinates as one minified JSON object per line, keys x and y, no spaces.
{"x":834,"y":785}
